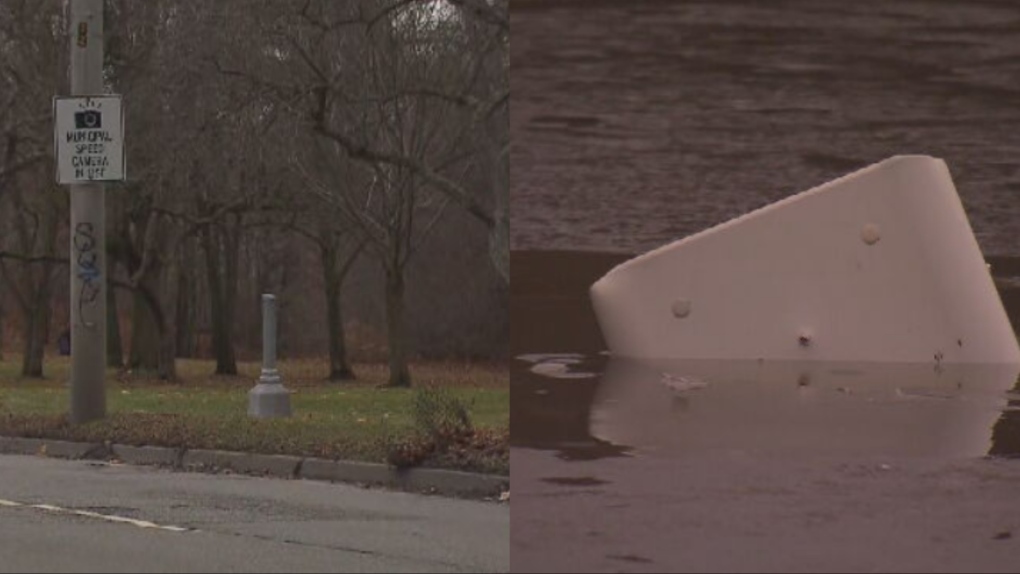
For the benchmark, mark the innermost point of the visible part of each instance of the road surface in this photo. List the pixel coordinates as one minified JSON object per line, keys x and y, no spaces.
{"x":95,"y":517}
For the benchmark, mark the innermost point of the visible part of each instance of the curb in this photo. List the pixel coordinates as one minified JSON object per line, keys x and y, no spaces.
{"x":242,"y":463}
{"x":52,"y":448}
{"x":147,"y":455}
{"x":415,"y":479}
{"x":426,"y":480}
{"x":342,"y":471}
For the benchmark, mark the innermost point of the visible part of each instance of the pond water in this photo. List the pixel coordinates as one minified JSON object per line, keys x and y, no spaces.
{"x":568,"y":396}
{"x":637,"y":122}
{"x":614,"y":460}
{"x":586,"y":408}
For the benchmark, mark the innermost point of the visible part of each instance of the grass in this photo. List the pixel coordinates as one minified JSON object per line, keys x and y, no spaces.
{"x":356,"y":420}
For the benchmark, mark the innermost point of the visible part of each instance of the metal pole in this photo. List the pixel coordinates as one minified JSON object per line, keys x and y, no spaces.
{"x":88,"y":233}
{"x":269,"y":372}
{"x":269,"y":398}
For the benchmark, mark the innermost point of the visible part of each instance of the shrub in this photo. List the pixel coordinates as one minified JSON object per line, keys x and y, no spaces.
{"x":441,"y":417}
{"x":442,"y":427}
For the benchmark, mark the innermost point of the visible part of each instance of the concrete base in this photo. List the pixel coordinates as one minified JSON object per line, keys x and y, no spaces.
{"x":269,"y":400}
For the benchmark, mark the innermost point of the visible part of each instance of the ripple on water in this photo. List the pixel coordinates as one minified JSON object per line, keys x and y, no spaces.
{"x":711,"y":109}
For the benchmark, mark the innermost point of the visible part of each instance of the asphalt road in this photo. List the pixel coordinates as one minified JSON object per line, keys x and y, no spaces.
{"x":70,"y":517}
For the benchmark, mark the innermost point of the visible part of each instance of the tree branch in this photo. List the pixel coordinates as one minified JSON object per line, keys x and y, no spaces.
{"x":445,"y":185}
{"x":33,"y":259}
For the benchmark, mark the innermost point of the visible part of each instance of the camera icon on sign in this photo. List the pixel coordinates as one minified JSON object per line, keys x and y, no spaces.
{"x":88,"y":120}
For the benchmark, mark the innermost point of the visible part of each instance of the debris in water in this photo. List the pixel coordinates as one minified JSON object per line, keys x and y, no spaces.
{"x":682,"y":384}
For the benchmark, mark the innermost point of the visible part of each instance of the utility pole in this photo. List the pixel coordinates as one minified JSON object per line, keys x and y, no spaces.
{"x":88,"y":233}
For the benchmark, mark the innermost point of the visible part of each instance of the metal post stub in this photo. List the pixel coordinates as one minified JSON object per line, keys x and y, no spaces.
{"x":269,"y":398}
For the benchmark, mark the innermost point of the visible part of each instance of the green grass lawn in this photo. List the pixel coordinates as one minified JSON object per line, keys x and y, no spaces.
{"x":356,"y":420}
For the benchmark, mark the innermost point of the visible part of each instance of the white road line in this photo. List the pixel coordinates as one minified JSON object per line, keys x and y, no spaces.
{"x":94,"y":515}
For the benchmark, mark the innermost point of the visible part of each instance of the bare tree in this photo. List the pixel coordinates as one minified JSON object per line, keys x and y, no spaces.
{"x":28,"y":43}
{"x":387,"y":88}
{"x":474,"y":46}
{"x":30,"y":40}
{"x":198,"y":171}
{"x":353,"y":126}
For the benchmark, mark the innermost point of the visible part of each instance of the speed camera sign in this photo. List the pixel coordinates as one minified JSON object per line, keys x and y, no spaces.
{"x":89,"y":138}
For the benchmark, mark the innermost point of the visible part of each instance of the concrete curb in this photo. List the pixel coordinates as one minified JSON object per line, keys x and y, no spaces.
{"x":147,"y":455}
{"x":242,"y":463}
{"x":343,"y":471}
{"x":437,"y":480}
{"x":415,"y":479}
{"x":433,"y":481}
{"x":52,"y":448}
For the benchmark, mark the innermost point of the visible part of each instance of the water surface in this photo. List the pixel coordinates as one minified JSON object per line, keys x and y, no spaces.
{"x":747,"y":466}
{"x":638,"y":122}
{"x":635,"y":123}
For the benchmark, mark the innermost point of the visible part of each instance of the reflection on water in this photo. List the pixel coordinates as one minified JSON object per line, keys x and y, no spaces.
{"x":898,"y":409}
{"x":682,"y":407}
{"x":1006,"y":433}
{"x":570,"y":399}
{"x":553,"y":413}
{"x":743,"y":467}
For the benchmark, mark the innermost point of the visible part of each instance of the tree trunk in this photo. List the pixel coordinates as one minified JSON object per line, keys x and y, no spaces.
{"x":167,"y":330}
{"x":114,"y":344}
{"x":400,"y":375}
{"x":231,"y":260}
{"x":167,"y":369}
{"x":35,"y":351}
{"x":34,"y":294}
{"x":334,"y":272}
{"x":36,"y":335}
{"x":185,"y":344}
{"x":499,"y":234}
{"x":221,"y":269}
{"x":144,"y":334}
{"x":152,"y":340}
{"x":37,"y":324}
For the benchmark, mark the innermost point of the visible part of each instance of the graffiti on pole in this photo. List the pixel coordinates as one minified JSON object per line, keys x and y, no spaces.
{"x":87,"y":264}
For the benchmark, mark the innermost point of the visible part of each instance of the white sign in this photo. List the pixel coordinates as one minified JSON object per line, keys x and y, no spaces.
{"x":89,"y":138}
{"x":877,"y":266}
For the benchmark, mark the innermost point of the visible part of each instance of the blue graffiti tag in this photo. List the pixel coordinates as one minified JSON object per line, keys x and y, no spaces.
{"x":87,"y":260}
